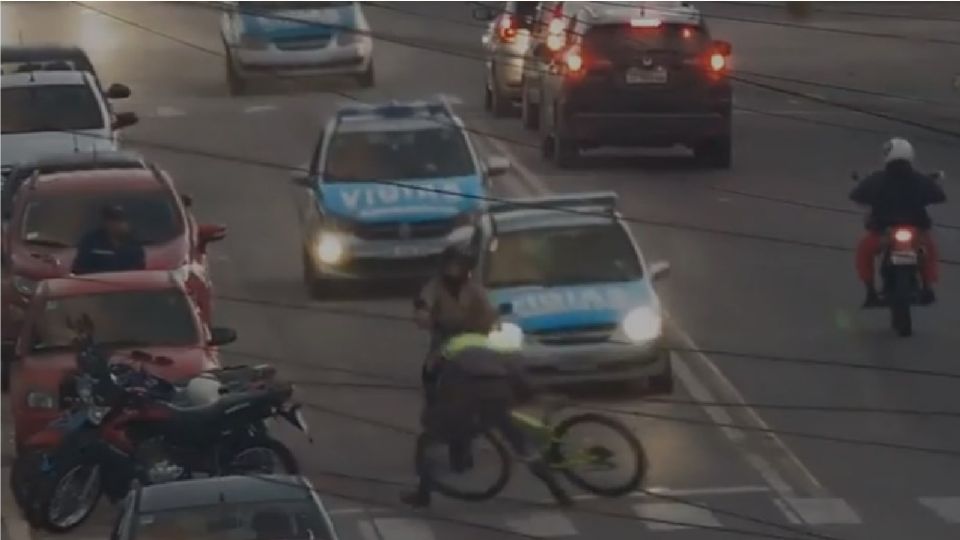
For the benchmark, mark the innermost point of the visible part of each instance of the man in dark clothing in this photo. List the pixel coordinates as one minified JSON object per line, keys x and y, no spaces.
{"x":110,"y":247}
{"x":897,"y":195}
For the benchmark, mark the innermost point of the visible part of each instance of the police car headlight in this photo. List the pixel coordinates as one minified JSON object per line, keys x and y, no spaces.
{"x":24,"y":285}
{"x":643,"y":324}
{"x":330,"y":248}
{"x":508,"y":336}
{"x":38,"y":399}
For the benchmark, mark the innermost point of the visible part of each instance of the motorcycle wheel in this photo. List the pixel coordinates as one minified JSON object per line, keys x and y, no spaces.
{"x":74,"y":482}
{"x":262,"y":455}
{"x":25,"y":474}
{"x":900,"y":316}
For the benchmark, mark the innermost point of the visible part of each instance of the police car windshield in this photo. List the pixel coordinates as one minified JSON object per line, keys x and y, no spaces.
{"x":124,"y":319}
{"x":61,"y":220}
{"x":368,"y":156}
{"x":623,"y":40}
{"x":562,"y":256}
{"x":269,"y":520}
{"x":68,"y":107}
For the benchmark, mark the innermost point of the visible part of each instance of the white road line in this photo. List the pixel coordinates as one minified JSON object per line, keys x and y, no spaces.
{"x":824,"y":511}
{"x":948,"y":508}
{"x":700,"y":393}
{"x":543,"y":525}
{"x":253,"y":109}
{"x":525,"y":174}
{"x":679,"y":512}
{"x":169,"y":112}
{"x":368,"y":531}
{"x":681,"y":492}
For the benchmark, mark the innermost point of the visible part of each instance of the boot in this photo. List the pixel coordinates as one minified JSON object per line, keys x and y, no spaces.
{"x":872,"y":298}
{"x":927,"y":296}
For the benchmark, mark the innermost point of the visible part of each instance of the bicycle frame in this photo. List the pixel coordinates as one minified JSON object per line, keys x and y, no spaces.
{"x":542,"y":433}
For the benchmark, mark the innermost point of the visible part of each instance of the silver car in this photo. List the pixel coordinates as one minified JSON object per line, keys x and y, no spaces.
{"x":506,"y":43}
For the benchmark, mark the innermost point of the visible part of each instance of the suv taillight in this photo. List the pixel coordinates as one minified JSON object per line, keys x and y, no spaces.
{"x":573,"y":60}
{"x":507,"y":28}
{"x":718,"y":62}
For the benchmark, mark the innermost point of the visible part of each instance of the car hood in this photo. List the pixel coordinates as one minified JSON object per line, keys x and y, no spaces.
{"x":537,"y":308}
{"x":41,"y":262}
{"x":299,"y":23}
{"x":19,"y":147}
{"x":47,"y":370}
{"x":407,"y":200}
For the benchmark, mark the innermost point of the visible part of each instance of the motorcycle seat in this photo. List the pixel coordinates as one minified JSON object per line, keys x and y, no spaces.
{"x":196,"y":416}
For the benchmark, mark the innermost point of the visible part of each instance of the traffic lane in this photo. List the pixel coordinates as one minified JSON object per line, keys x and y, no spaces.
{"x":769,"y":286}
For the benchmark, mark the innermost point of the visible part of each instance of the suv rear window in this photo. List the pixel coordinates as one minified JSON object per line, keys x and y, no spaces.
{"x":66,"y":107}
{"x":525,"y":13}
{"x":611,"y":41}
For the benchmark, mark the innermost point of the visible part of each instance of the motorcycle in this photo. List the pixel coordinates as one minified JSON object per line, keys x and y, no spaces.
{"x":127,"y":425}
{"x":901,"y":259}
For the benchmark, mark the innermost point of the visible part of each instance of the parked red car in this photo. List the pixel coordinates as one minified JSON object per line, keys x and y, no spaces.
{"x":52,"y":212}
{"x":147,"y":311}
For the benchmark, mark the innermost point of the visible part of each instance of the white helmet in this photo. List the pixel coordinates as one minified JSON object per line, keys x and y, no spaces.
{"x":897,"y":149}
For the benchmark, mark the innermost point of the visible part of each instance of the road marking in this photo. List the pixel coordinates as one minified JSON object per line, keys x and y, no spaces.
{"x":543,"y":525}
{"x":532,"y":180}
{"x":948,"y":508}
{"x":400,"y":529}
{"x":721,"y":490}
{"x":699,"y":392}
{"x":691,"y":516}
{"x":824,"y":511}
{"x":169,"y":112}
{"x":253,"y":109}
{"x":790,"y":513}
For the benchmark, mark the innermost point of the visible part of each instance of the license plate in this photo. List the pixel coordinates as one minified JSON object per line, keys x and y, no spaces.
{"x":302,"y":421}
{"x":902,"y":258}
{"x":636,"y":75}
{"x":409,"y":251}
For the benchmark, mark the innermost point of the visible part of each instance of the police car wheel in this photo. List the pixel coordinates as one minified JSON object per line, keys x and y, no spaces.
{"x":235,"y":82}
{"x":368,"y":77}
{"x":661,"y":383}
{"x":316,"y":286}
{"x":566,"y":152}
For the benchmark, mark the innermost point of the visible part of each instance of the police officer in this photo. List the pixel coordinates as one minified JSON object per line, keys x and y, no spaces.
{"x":111,"y":247}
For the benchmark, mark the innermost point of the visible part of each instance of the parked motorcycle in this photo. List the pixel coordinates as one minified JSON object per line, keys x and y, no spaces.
{"x":124,"y":424}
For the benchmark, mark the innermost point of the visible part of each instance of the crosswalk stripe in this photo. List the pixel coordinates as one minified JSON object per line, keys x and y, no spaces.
{"x":823,"y":510}
{"x":543,"y":525}
{"x":690,"y":516}
{"x":948,"y":508}
{"x":401,"y":529}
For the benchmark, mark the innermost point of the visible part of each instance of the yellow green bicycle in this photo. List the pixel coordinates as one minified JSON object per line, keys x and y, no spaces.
{"x":594,"y":452}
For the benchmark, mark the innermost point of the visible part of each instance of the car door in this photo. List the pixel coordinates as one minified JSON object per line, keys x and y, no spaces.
{"x":307,"y":204}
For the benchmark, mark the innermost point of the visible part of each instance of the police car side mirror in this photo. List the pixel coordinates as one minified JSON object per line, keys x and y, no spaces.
{"x":186,"y":200}
{"x":118,"y":91}
{"x":659,"y":270}
{"x":125,"y":119}
{"x":723,"y":47}
{"x":497,"y":165}
{"x":221,"y":336}
{"x":301,"y":179}
{"x":505,"y":308}
{"x":484,"y":13}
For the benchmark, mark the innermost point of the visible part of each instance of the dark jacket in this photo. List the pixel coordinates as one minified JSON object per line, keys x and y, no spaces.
{"x":97,"y":254}
{"x":898,"y":195}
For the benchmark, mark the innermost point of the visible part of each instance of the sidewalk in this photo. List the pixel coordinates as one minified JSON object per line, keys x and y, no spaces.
{"x":14,"y":526}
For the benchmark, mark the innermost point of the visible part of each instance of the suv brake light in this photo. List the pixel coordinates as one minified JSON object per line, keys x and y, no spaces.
{"x":573,"y":60}
{"x":507,"y":28}
{"x":556,"y":36}
{"x":718,"y":61}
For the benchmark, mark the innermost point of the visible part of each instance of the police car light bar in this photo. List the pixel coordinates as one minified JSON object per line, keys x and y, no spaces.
{"x":396,"y":109}
{"x":606,"y":199}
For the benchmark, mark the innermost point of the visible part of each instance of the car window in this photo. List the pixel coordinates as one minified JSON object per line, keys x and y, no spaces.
{"x":364,"y":156}
{"x":62,"y":219}
{"x":50,"y":108}
{"x":612,"y":41}
{"x":287,"y":520}
{"x":127,"y":318}
{"x":562,"y":256}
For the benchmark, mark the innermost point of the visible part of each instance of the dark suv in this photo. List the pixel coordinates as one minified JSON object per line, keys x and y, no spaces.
{"x":636,"y":77}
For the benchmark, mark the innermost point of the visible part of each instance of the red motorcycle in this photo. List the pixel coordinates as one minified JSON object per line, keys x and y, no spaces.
{"x":124,"y":425}
{"x":901,"y":257}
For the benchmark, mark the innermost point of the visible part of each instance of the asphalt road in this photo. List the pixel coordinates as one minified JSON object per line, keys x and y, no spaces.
{"x":729,"y":291}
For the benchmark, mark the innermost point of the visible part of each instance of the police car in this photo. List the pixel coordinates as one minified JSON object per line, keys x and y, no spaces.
{"x":388,"y":188}
{"x":575,"y":291}
{"x":266,"y":39}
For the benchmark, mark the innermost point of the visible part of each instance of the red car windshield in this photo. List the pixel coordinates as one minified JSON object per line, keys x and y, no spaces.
{"x":122,"y":319}
{"x":61,"y":220}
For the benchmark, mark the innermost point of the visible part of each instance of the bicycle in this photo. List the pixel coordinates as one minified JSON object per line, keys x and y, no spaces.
{"x":554,"y":444}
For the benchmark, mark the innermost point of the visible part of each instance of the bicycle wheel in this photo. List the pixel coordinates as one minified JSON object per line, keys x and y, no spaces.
{"x":477,"y":473}
{"x":598,"y":454}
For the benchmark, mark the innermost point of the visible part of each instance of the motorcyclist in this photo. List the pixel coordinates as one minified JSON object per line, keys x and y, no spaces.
{"x":476,"y":390}
{"x":111,"y":247}
{"x":897,"y":195}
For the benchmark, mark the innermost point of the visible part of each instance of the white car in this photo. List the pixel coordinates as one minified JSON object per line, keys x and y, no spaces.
{"x":296,"y":39}
{"x":55,"y":112}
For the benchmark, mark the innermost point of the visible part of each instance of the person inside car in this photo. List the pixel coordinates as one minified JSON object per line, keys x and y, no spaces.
{"x":111,"y":247}
{"x":897,"y":195}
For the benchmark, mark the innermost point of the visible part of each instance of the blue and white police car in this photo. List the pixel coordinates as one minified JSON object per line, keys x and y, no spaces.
{"x":389,"y":187}
{"x":265,"y":39}
{"x":575,"y":291}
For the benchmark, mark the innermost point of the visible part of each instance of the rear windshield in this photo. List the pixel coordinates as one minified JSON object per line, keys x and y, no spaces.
{"x":61,"y":220}
{"x":366,"y":156}
{"x":50,"y":108}
{"x":616,"y":40}
{"x":121,"y":319}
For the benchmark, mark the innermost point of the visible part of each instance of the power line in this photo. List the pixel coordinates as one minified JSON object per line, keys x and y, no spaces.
{"x":832,"y":11}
